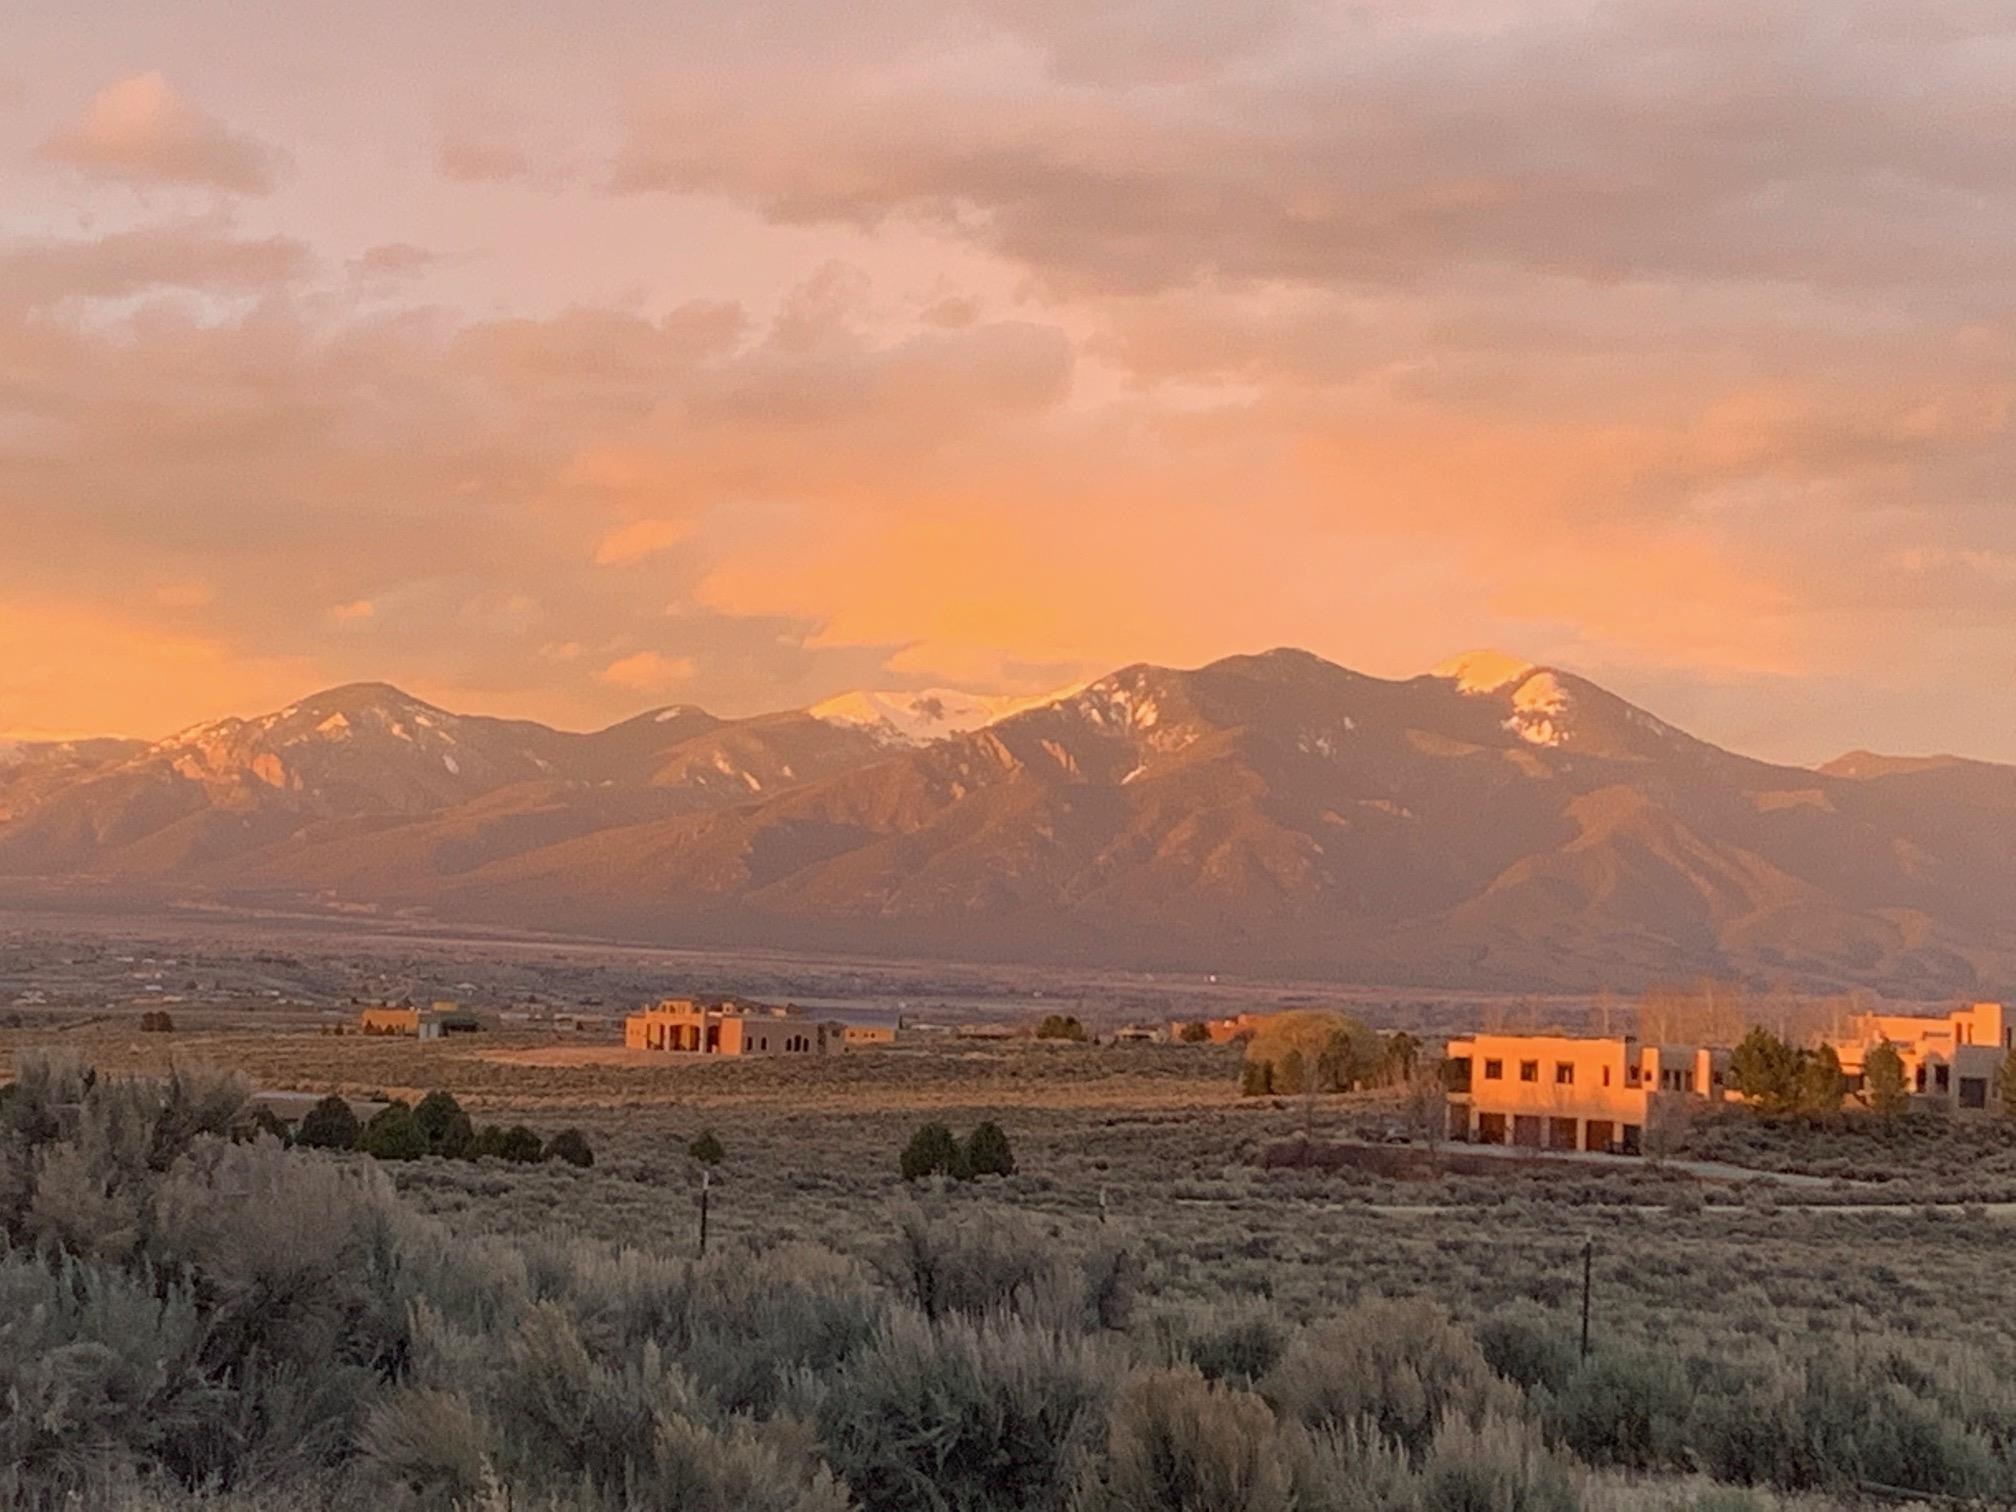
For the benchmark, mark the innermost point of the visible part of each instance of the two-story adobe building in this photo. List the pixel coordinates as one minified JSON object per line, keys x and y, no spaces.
{"x":1571,"y":1092}
{"x":1950,"y":1062}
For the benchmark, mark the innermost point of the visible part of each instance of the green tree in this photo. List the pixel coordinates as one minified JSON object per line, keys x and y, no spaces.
{"x":1883,"y":1081}
{"x":1765,"y":1069}
{"x":1350,"y":1057}
{"x":707,"y":1149}
{"x":265,"y":1121}
{"x":1333,"y":1051}
{"x":933,"y":1151}
{"x":988,"y":1152}
{"x":1821,"y":1084}
{"x":489,"y":1141}
{"x":444,"y":1125}
{"x":1256,"y":1078}
{"x":1291,"y":1075}
{"x":329,"y":1125}
{"x":1398,"y":1058}
{"x":1196,"y":1032}
{"x":2006,"y":1085}
{"x":1060,"y":1026}
{"x":393,"y":1134}
{"x":520,"y":1144}
{"x":570,"y":1145}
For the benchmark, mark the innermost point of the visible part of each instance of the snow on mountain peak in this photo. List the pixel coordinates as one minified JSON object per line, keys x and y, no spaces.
{"x":1538,"y":705}
{"x":1483,"y":671}
{"x":921,"y":715}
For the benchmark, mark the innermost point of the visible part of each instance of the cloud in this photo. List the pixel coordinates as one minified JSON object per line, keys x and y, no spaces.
{"x":632,"y":543}
{"x":648,"y":671}
{"x":392,"y":261}
{"x":1382,"y":146}
{"x":141,"y":131}
{"x":1668,"y":339}
{"x":198,"y":254}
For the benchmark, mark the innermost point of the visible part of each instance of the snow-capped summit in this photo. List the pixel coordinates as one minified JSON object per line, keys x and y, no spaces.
{"x":925,"y":714}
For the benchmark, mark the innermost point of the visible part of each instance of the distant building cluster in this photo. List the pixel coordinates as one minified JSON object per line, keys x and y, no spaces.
{"x":1572,"y":1092}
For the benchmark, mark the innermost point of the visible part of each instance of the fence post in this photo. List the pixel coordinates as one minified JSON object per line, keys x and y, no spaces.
{"x":1588,"y":1265}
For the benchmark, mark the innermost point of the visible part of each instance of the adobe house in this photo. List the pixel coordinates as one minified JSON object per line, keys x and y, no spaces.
{"x":1570,"y":1092}
{"x":436,"y":1022}
{"x":1950,"y":1063}
{"x":690,"y":1027}
{"x":383,"y":1019}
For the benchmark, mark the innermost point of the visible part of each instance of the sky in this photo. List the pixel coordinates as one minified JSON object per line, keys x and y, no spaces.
{"x":562,"y":360}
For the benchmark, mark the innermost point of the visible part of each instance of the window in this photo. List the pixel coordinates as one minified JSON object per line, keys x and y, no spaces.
{"x":1529,"y":1071}
{"x":1564,"y":1073}
{"x":1494,"y":1070}
{"x":1606,"y":1082}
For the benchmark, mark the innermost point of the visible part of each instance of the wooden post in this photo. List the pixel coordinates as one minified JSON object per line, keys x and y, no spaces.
{"x":707,"y":1181}
{"x":1588,"y":1264}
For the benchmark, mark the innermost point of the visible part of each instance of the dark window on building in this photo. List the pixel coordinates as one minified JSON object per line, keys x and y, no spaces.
{"x":1529,"y":1071}
{"x":1606,"y":1076}
{"x":1564,"y":1073}
{"x":1940,"y":1075}
{"x":1494,"y":1070}
{"x":1973,"y":1092}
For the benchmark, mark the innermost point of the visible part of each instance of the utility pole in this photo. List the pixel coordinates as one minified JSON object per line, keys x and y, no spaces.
{"x":1588,"y":1264}
{"x":707,"y":1181}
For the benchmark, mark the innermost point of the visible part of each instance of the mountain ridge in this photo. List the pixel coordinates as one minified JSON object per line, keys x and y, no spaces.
{"x":1490,"y":823}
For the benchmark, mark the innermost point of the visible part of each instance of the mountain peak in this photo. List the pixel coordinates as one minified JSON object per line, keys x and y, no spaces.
{"x":915,"y":716}
{"x":349,"y":697}
{"x":1484,"y":671}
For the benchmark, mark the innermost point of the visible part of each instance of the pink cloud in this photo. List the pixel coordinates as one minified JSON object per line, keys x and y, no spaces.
{"x":141,"y":131}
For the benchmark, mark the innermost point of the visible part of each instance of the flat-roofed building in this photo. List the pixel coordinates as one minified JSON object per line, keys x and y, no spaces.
{"x":1951,"y":1061}
{"x":385,"y":1019}
{"x":433,"y":1022}
{"x":868,"y":1036}
{"x":1570,"y":1092}
{"x":688,"y":1026}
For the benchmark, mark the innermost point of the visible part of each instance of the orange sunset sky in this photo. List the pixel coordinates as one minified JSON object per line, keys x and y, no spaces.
{"x":561,"y":359}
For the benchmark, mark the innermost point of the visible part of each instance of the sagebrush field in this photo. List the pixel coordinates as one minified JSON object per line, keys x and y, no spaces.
{"x":1159,"y":1257}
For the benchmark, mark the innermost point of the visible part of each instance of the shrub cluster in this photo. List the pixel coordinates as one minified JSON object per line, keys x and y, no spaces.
{"x":192,"y":1318}
{"x":157,"y":1021}
{"x":436,"y":1125}
{"x":1061,"y":1026}
{"x":934,"y":1150}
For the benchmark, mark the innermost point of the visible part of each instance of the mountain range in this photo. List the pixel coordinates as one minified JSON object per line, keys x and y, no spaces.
{"x":1488,"y":825}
